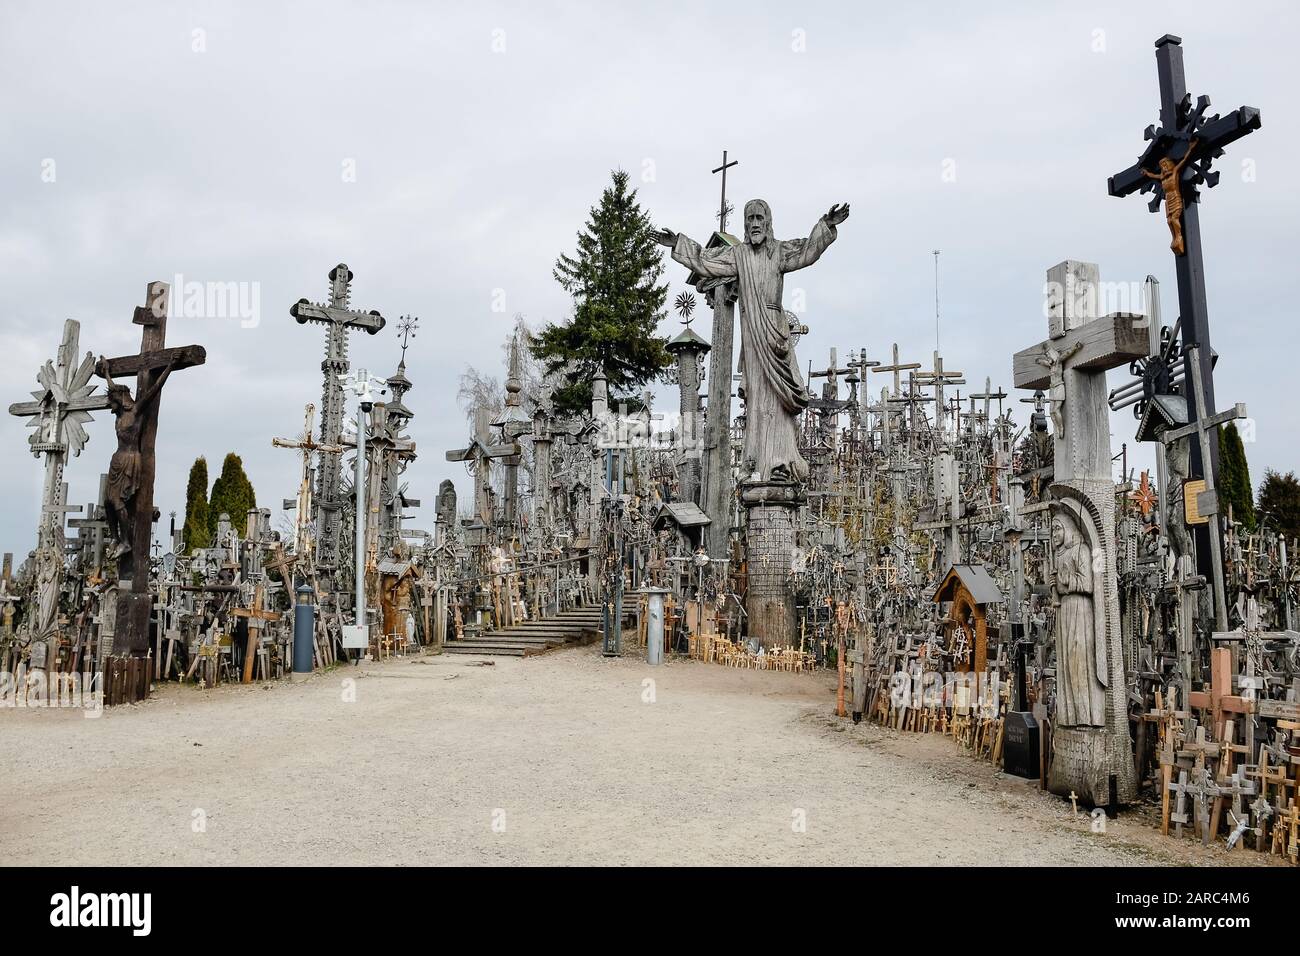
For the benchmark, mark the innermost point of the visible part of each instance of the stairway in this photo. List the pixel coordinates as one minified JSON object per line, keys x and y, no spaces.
{"x":580,"y":625}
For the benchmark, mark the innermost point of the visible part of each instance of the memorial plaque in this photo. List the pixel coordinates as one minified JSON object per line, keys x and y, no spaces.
{"x":1020,"y":747}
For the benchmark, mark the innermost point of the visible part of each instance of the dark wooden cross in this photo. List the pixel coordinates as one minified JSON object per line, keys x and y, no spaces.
{"x":1185,"y":144}
{"x":481,"y":451}
{"x":149,"y":366}
{"x":339,"y":318}
{"x":722,"y":208}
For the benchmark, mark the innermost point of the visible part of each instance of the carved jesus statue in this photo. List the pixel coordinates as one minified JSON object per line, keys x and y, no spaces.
{"x":774,"y":390}
{"x":1080,"y":696}
{"x":124,"y":467}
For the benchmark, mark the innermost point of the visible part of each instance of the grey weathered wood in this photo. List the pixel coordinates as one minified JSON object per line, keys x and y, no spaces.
{"x":1108,"y":343}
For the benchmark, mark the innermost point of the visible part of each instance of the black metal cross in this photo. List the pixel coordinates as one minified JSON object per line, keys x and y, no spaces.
{"x":722,"y":208}
{"x":1176,"y":161}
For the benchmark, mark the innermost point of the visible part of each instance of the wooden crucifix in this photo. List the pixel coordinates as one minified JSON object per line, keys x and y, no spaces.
{"x":1176,"y":161}
{"x":129,"y":501}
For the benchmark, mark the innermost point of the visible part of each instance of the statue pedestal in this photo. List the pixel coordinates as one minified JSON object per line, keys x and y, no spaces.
{"x":1084,"y":759}
{"x":771,"y":509}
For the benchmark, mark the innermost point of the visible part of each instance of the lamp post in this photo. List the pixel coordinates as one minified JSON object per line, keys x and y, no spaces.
{"x":367,"y":390}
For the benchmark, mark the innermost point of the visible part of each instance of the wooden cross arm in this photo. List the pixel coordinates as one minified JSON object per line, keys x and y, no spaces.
{"x":461,"y":454}
{"x":95,"y":403}
{"x":184,"y":356}
{"x":1171,"y":436}
{"x":305,"y":312}
{"x":897,"y":368}
{"x":1213,"y":135}
{"x":1233,"y":705}
{"x":256,"y":613}
{"x":1109,"y":342}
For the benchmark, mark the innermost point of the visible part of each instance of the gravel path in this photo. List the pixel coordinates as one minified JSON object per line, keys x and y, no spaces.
{"x":560,"y":759}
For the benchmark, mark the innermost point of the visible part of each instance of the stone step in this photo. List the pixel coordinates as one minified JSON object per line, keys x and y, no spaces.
{"x":576,"y":626}
{"x":490,"y":650}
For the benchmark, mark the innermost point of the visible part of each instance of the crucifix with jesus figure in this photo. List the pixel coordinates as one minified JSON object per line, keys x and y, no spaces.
{"x":1176,"y":161}
{"x":129,"y":499}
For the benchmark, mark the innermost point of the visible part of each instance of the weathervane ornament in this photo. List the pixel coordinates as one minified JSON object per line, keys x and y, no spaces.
{"x":406,"y":328}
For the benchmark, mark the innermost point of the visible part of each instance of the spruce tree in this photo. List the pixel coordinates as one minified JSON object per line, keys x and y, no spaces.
{"x":1234,"y":477}
{"x":617,"y":305}
{"x":232,"y":494}
{"x":195,"y":532}
{"x":1279,"y":502}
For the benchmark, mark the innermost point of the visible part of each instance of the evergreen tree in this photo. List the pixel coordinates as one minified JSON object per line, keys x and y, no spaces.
{"x":1234,"y":476}
{"x":232,"y":493}
{"x":618,"y":305}
{"x":195,"y":532}
{"x":1279,"y":502}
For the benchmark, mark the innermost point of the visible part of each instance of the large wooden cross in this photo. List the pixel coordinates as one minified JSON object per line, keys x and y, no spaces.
{"x":1176,"y":161}
{"x":482,"y":451}
{"x":1071,"y":364}
{"x":154,"y":360}
{"x":256,"y":615}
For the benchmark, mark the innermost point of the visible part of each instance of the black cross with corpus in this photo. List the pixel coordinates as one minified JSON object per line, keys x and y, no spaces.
{"x":1186,"y":143}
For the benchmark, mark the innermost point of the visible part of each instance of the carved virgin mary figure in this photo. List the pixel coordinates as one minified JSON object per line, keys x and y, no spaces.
{"x":1080,"y":696}
{"x":774,"y":390}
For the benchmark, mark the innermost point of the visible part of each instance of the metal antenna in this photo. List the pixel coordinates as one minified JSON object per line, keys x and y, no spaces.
{"x":935,"y":253}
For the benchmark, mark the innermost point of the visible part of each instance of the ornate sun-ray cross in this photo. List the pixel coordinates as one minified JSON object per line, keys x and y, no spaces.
{"x":1144,"y":496}
{"x":1176,"y":161}
{"x":57,"y":417}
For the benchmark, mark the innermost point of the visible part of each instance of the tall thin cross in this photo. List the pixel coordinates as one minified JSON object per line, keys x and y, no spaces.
{"x":1176,"y":161}
{"x":897,"y":368}
{"x":306,"y":444}
{"x":939,"y":378}
{"x":339,"y":319}
{"x":722,"y":207}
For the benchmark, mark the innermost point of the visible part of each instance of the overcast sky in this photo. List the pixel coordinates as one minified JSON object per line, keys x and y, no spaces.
{"x":448,"y":155}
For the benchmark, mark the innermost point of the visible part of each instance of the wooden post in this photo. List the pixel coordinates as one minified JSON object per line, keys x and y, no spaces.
{"x":255,"y":615}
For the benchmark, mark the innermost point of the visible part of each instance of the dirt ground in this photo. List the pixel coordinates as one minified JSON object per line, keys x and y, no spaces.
{"x":566,"y":758}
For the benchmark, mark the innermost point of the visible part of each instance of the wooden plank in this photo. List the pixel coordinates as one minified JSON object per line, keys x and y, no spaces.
{"x":1108,"y":342}
{"x":184,"y":356}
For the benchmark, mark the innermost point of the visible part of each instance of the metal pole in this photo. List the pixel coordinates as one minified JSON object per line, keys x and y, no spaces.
{"x":1216,"y":529}
{"x":360,"y":489}
{"x":1152,"y":295}
{"x":654,"y":634}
